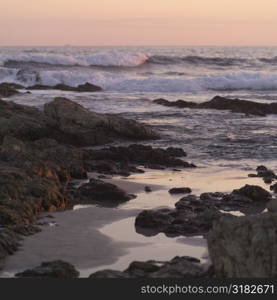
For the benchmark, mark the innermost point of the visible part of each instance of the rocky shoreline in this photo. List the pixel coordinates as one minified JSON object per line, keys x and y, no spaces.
{"x":43,"y":151}
{"x":41,"y":154}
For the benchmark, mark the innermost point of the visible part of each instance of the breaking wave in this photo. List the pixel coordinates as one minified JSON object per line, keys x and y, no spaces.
{"x":255,"y":81}
{"x":197,"y":60}
{"x":108,"y":59}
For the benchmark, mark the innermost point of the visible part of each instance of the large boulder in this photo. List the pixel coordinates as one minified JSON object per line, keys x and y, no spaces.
{"x":98,"y":191}
{"x":22,"y":121}
{"x":244,"y":246}
{"x":67,"y":122}
{"x":254,"y":193}
{"x":85,"y":127}
{"x":53,"y":269}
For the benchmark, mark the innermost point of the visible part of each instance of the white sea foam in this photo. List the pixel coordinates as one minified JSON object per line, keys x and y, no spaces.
{"x":110,"y":81}
{"x":255,"y":81}
{"x":112,"y":59}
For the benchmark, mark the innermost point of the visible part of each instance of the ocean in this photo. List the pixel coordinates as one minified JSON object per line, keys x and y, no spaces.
{"x":225,"y":146}
{"x":131,"y":77}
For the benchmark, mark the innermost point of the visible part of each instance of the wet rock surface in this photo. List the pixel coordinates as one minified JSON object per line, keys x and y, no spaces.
{"x":87,"y":87}
{"x":149,"y":157}
{"x":98,"y":191}
{"x":67,"y":122}
{"x":268,"y":175}
{"x":40,"y":155}
{"x":221,"y":103}
{"x":9,"y":89}
{"x":182,"y":190}
{"x":53,"y":269}
{"x":244,"y":246}
{"x":178,"y":267}
{"x":195,"y":215}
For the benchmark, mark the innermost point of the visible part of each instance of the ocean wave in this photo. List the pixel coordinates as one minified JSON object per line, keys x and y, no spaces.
{"x":107,"y":59}
{"x":272,"y":60}
{"x":197,"y":60}
{"x":254,"y":81}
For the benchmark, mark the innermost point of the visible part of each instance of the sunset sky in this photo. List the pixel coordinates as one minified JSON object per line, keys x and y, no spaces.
{"x":138,"y":22}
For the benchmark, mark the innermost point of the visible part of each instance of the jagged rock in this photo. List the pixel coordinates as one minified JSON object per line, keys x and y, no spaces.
{"x":98,"y":191}
{"x":178,"y":267}
{"x":244,"y":246}
{"x":253,"y":192}
{"x":221,"y":103}
{"x":87,"y":87}
{"x":175,"y":222}
{"x":67,"y":122}
{"x":53,"y":269}
{"x":21,"y":121}
{"x":143,"y":155}
{"x":84,"y":127}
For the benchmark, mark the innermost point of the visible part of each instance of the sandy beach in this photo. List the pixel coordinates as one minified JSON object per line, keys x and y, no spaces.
{"x":107,"y":238}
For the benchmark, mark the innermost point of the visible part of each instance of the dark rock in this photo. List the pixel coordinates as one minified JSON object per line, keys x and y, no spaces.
{"x":221,"y":103}
{"x":244,"y":246}
{"x":267,"y":180}
{"x":109,"y":274}
{"x":87,"y":87}
{"x":184,"y":190}
{"x":158,"y":220}
{"x":53,"y":269}
{"x":39,"y":87}
{"x":263,"y":172}
{"x":24,"y":122}
{"x":84,"y":127}
{"x":8,"y":89}
{"x":252,"y":175}
{"x":261,"y":169}
{"x":67,"y":122}
{"x":175,"y":222}
{"x":98,"y":191}
{"x":178,"y":267}
{"x":195,"y":215}
{"x":141,"y":269}
{"x":142,"y":155}
{"x":274,"y":188}
{"x":147,"y":189}
{"x":272,"y":206}
{"x":176,"y":152}
{"x":253,"y":192}
{"x":8,"y":243}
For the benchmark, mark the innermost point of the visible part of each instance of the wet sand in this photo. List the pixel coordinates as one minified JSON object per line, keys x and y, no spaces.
{"x":93,"y":238}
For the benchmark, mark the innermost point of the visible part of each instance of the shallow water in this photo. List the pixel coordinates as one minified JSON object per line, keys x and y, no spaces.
{"x":94,"y":238}
{"x":225,"y":146}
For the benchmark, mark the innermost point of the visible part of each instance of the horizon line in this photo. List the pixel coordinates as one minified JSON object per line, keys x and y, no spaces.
{"x":138,"y":45}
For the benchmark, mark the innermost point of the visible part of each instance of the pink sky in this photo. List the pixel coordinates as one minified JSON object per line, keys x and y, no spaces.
{"x":138,"y":22}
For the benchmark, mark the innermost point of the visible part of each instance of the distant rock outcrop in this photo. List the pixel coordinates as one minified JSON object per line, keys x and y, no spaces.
{"x":221,"y":103}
